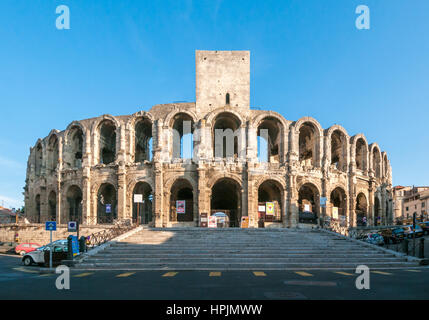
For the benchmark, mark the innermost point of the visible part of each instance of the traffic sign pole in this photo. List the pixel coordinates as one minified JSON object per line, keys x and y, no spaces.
{"x":50,"y":254}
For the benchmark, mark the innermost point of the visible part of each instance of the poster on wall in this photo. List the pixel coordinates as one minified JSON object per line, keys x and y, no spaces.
{"x":334,"y":213}
{"x":261,"y":208}
{"x":212,"y":222}
{"x":270,"y":208}
{"x":180,"y":206}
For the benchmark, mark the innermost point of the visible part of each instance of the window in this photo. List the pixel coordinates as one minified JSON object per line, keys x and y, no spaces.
{"x":227,"y":99}
{"x":423,"y":204}
{"x":406,"y":208}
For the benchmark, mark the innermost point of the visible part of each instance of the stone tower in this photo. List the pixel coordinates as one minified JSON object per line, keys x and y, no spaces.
{"x":222,"y":79}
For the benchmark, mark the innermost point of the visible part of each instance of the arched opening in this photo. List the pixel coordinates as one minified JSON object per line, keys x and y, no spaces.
{"x":308,"y":203}
{"x":226,"y":198}
{"x":183,"y":130}
{"x":107,"y":204}
{"x":181,"y":201}
{"x":269,"y":140}
{"x":227,"y":102}
{"x":107,"y":142}
{"x":386,"y":167}
{"x":376,"y":162}
{"x":74,"y":149}
{"x":143,"y":140}
{"x":226,"y":134}
{"x":307,"y":145}
{"x":270,"y":198}
{"x":37,"y":218}
{"x":74,"y":203}
{"x":338,"y":201}
{"x":142,"y":211}
{"x":377,"y":216}
{"x":53,"y":153}
{"x":361,"y":154}
{"x":339,"y":150}
{"x":361,"y":210}
{"x":52,"y":206}
{"x":38,"y":159}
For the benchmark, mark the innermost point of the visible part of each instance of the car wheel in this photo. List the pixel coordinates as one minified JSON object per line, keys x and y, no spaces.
{"x":27,"y":261}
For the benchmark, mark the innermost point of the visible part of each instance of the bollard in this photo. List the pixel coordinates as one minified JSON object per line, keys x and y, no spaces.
{"x":405,"y":246}
{"x":422,"y":248}
{"x":70,"y":248}
{"x":82,"y":244}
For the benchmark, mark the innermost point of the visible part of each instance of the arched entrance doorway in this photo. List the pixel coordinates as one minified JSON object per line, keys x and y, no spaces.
{"x":226,"y":197}
{"x":308,"y":203}
{"x":52,"y":201}
{"x":361,"y":210}
{"x":74,"y":204}
{"x":338,"y":201}
{"x":270,"y":199}
{"x":377,"y":217}
{"x":106,"y":204}
{"x":142,"y":212}
{"x":181,"y":201}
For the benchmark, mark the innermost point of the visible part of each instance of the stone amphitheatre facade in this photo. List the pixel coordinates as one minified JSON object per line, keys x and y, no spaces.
{"x":90,"y":171}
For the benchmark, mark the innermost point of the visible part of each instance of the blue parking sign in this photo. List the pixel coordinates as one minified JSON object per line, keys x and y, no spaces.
{"x":108,"y":208}
{"x":51,"y":226}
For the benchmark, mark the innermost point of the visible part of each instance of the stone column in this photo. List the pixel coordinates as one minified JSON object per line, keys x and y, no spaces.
{"x":88,"y":217}
{"x":158,"y":176}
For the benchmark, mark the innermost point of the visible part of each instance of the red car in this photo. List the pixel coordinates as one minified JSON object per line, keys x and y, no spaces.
{"x":24,"y":248}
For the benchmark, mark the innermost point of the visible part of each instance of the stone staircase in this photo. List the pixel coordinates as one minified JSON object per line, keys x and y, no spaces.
{"x":238,"y":249}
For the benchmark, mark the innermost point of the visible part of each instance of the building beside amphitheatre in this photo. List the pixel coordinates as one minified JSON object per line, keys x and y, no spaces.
{"x":244,"y":162}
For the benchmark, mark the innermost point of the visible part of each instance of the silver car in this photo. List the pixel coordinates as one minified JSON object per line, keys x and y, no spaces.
{"x":38,"y":256}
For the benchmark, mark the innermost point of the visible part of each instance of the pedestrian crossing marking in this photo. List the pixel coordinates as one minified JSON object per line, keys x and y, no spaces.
{"x":382,"y":272}
{"x":215,"y":274}
{"x":411,"y":270}
{"x":126,"y":274}
{"x":259,"y":273}
{"x":85,"y":274}
{"x":303,"y":273}
{"x":169,"y":274}
{"x":344,"y":273}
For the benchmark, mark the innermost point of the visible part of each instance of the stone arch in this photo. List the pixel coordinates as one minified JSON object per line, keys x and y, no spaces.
{"x":377,"y":209}
{"x":338,"y":199}
{"x":170,"y":116}
{"x":226,"y":135}
{"x":182,"y":128}
{"x":142,"y":139}
{"x":375,"y":159}
{"x":386,"y":170}
{"x":211,"y":116}
{"x":38,"y":208}
{"x":226,"y":196}
{"x":360,"y":151}
{"x":38,"y":157}
{"x":337,"y":148}
{"x":361,"y":209}
{"x":74,"y":145}
{"x":52,"y":205}
{"x":272,"y":190}
{"x":308,"y":135}
{"x":53,"y":152}
{"x":142,"y":213}
{"x":73,"y":203}
{"x":271,"y":130}
{"x":96,"y":136}
{"x":107,"y":203}
{"x":219,"y":176}
{"x":182,"y":190}
{"x":308,"y":202}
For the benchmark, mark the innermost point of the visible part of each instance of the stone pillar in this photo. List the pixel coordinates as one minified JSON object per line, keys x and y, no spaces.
{"x":203,"y":198}
{"x":158,"y":178}
{"x":88,"y":217}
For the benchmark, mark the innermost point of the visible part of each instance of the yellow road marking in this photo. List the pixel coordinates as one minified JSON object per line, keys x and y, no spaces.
{"x":215,"y":274}
{"x":123,"y":275}
{"x":344,"y":273}
{"x":169,"y":274}
{"x":303,"y":273}
{"x":83,"y":274}
{"x":411,"y":270}
{"x":382,"y":272}
{"x":22,"y":269}
{"x":259,"y":273}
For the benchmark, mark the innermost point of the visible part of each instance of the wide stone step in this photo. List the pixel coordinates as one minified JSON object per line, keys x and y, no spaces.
{"x":242,"y":266}
{"x":231,"y":251}
{"x":104,"y":255}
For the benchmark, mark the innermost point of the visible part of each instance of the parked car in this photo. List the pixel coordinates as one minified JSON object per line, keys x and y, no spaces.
{"x":425,"y":226}
{"x":409,"y":231}
{"x":38,"y":256}
{"x":374,"y":238}
{"x":24,"y":248}
{"x":398,"y":234}
{"x":7,"y":247}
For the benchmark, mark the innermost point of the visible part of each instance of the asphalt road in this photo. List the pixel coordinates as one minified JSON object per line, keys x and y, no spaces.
{"x":18,"y":282}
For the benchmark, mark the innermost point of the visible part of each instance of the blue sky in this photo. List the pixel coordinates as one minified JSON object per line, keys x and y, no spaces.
{"x":307,"y":59}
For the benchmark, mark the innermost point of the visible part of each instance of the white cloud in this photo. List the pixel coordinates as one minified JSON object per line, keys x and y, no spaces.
{"x":8,"y":202}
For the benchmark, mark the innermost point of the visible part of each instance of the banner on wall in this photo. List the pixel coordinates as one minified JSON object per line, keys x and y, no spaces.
{"x":212,"y":222}
{"x":270,"y":208}
{"x":180,"y":206}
